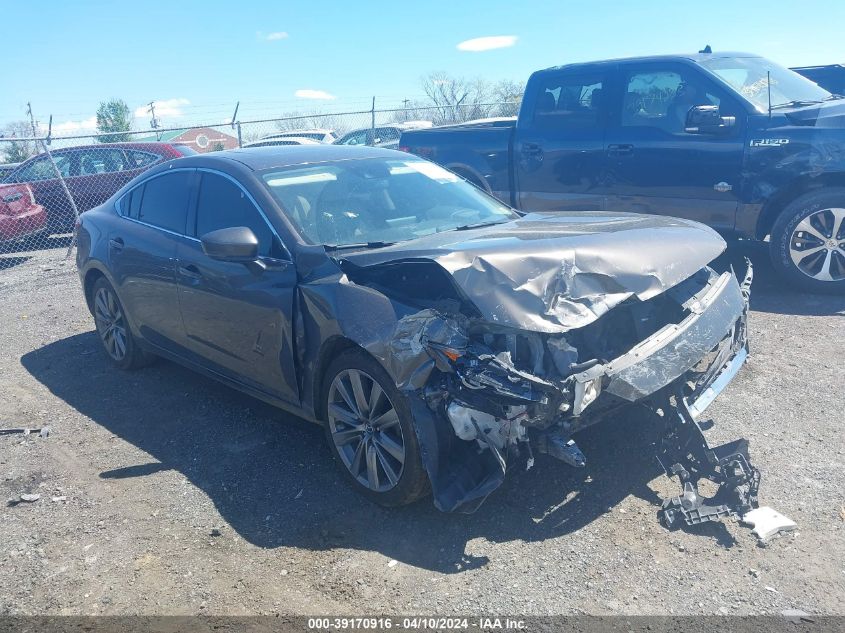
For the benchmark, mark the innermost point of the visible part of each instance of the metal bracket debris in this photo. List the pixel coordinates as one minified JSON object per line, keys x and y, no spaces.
{"x":42,"y":432}
{"x":562,"y":448}
{"x":684,"y":452}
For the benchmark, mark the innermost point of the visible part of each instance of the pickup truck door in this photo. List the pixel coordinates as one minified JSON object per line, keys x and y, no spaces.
{"x":559,"y":144}
{"x":653,"y":165}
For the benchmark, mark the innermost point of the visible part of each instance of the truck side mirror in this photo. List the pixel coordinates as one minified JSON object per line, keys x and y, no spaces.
{"x":706,"y":119}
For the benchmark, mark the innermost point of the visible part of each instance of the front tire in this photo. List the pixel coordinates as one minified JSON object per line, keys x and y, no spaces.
{"x":370,"y":431}
{"x":808,"y":241}
{"x":119,"y":344}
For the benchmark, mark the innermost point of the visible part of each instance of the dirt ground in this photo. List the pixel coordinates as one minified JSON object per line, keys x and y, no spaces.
{"x":142,"y":468}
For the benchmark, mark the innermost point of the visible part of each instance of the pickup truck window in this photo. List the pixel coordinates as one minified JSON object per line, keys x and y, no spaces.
{"x":569,"y":101}
{"x":750,"y":76}
{"x":661,"y":98}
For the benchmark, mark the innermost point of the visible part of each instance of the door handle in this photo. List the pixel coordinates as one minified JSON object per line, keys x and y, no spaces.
{"x":116,"y":243}
{"x":531,"y":148}
{"x":624,"y":149}
{"x":190,"y":271}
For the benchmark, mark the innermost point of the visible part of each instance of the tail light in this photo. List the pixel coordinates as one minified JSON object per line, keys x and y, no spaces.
{"x":404,"y":148}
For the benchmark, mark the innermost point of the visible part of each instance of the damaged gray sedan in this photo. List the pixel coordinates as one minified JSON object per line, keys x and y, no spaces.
{"x":439,"y":337}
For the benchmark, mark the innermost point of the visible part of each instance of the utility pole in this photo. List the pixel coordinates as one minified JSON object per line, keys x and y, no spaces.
{"x":32,"y":121}
{"x":405,"y":103}
{"x":154,"y":123}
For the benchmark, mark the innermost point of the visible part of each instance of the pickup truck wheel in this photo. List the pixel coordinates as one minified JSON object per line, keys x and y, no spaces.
{"x":370,"y":431}
{"x":808,"y":241}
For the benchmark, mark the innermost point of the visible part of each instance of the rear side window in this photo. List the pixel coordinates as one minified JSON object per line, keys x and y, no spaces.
{"x":141,"y":159}
{"x":222,"y":204}
{"x":164,"y":201}
{"x":131,"y":203}
{"x":570,"y":102}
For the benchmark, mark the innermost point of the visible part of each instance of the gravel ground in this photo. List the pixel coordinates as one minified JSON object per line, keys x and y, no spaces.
{"x":143,"y":468}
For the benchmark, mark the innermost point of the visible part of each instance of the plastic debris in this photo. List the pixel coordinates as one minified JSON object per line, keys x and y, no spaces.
{"x":768,"y":522}
{"x":30,"y":498}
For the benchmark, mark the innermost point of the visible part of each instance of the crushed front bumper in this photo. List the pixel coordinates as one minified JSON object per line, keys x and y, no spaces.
{"x":715,"y":330}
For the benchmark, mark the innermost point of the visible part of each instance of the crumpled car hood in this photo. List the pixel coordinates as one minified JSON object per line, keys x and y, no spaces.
{"x":553,"y":272}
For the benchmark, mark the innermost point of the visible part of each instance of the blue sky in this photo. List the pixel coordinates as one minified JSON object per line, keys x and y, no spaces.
{"x":198,"y":58}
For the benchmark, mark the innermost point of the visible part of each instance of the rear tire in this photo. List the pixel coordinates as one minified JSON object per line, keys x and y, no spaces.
{"x":370,"y":431}
{"x":119,"y":344}
{"x":808,"y":241}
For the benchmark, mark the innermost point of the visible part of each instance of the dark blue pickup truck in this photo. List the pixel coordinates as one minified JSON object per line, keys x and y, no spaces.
{"x":732,"y":140}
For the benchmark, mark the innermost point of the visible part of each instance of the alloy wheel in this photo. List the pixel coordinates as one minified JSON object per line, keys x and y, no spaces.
{"x":365,"y":429}
{"x":817,"y":245}
{"x":110,"y":323}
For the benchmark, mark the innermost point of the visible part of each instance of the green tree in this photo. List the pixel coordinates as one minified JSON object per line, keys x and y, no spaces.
{"x":114,"y":119}
{"x":17,"y":151}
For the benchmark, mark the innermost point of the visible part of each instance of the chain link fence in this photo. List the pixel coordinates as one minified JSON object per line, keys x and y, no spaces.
{"x":59,"y":178}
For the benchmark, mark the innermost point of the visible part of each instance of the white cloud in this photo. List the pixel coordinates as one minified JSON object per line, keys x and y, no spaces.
{"x":169,"y":108}
{"x":314,"y":94}
{"x":488,"y":43}
{"x":69,"y":127}
{"x":275,"y":36}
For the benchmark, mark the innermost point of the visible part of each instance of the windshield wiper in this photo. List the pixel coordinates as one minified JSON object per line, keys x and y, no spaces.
{"x":834,"y":97}
{"x":797,"y":103}
{"x":467,"y":227}
{"x":339,"y":247}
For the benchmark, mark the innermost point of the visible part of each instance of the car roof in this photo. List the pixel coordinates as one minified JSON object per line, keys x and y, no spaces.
{"x":127,"y":145}
{"x":693,"y":57}
{"x":261,"y":158}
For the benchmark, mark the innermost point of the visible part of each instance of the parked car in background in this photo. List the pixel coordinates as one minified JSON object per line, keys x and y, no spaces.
{"x":288,"y":140}
{"x":20,"y":215}
{"x":830,"y":77}
{"x":685,"y":135}
{"x":92,"y":173}
{"x":5,"y":168}
{"x":320,"y":135}
{"x":435,"y":333}
{"x":381,"y":135}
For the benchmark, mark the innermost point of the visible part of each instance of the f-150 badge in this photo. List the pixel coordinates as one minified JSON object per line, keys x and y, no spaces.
{"x":768,"y":142}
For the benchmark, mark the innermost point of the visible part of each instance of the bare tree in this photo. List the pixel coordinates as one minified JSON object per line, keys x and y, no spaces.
{"x":508,"y":95}
{"x":17,"y":151}
{"x":456,"y":99}
{"x":340,"y":123}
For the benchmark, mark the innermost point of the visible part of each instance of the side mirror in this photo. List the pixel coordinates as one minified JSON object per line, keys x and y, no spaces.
{"x":235,"y":244}
{"x":706,"y":119}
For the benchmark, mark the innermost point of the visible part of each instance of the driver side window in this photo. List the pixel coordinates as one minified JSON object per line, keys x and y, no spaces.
{"x":222,"y":204}
{"x":661,"y":98}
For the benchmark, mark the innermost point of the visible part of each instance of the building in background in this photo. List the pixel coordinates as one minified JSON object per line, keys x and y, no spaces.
{"x":200,"y":139}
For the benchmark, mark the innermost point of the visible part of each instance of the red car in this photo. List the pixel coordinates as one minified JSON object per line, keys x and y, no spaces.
{"x":92,"y":174}
{"x":19,"y":215}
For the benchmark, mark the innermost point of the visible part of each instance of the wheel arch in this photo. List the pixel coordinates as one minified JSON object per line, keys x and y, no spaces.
{"x":470,"y":174}
{"x":786,"y":194}
{"x":330,"y":349}
{"x":91,"y":276}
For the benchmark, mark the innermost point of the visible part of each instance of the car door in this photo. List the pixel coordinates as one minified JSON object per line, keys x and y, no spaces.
{"x":559,"y":147}
{"x":47,"y":188}
{"x":238,"y":319}
{"x":654,"y":165}
{"x":142,"y":255}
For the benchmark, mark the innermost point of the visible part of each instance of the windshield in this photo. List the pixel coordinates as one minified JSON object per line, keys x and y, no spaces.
{"x":748,"y":76}
{"x":377,"y":201}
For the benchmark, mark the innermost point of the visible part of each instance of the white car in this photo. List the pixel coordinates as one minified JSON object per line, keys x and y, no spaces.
{"x":381,"y":135}
{"x":288,"y":140}
{"x":321,"y":135}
